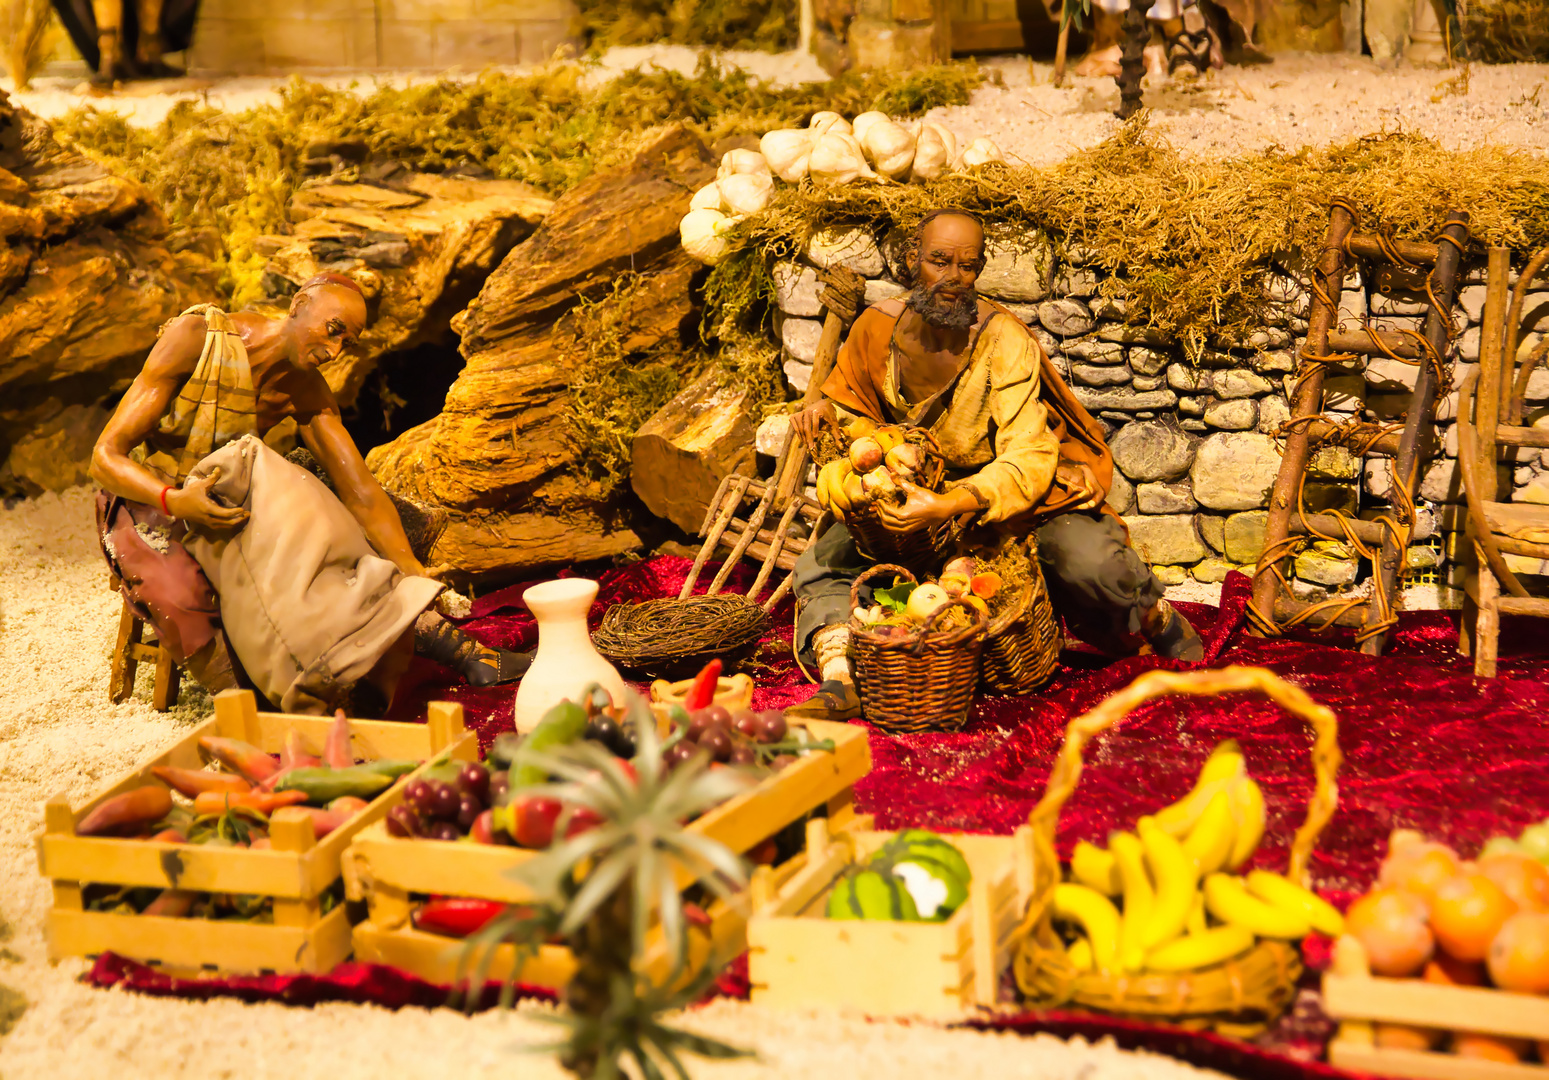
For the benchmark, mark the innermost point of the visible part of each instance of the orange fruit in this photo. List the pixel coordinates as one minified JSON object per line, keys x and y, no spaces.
{"x":1489,"y":1047}
{"x":1444,"y":970}
{"x":1524,"y":879}
{"x":1391,"y":926}
{"x":1404,"y":1037}
{"x":1466,"y":914}
{"x":1420,"y":867}
{"x":1519,"y":955}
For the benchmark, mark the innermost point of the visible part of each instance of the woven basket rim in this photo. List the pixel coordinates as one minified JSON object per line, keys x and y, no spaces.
{"x":926,"y":638}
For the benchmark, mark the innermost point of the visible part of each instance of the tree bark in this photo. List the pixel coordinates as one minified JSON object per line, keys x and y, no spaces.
{"x":682,"y":453}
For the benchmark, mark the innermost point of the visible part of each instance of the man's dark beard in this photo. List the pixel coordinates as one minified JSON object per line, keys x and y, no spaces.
{"x":956,"y":315}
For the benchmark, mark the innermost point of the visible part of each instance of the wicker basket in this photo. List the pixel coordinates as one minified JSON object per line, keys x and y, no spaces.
{"x":923,"y":682}
{"x":919,"y":551}
{"x":1022,"y":647}
{"x":1238,"y":998}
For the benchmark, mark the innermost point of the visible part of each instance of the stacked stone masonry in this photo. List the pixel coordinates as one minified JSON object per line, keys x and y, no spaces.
{"x":1194,"y":441}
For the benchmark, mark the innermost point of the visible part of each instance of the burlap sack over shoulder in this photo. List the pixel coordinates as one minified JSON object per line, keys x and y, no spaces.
{"x":308,"y":606}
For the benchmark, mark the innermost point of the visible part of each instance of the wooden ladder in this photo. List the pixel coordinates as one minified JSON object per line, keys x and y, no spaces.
{"x":1404,"y":263}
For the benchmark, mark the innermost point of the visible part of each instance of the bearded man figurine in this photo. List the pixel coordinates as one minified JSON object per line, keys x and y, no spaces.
{"x":1022,"y":456}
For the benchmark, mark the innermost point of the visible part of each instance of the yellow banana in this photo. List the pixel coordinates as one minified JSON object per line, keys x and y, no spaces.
{"x":1080,"y":953}
{"x":1196,"y":922}
{"x":1201,"y":950}
{"x":1096,"y":915}
{"x":1228,"y":899}
{"x":1096,"y":868}
{"x":1139,"y":898}
{"x":1225,"y":762}
{"x":1176,"y":884}
{"x":831,"y":483}
{"x":1248,"y":809}
{"x":1285,"y":893}
{"x":1210,"y":842}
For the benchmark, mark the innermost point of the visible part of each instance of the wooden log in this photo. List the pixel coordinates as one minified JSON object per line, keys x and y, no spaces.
{"x":682,"y":453}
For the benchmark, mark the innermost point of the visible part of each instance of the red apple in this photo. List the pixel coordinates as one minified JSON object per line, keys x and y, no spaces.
{"x":582,"y":819}
{"x":533,"y":820}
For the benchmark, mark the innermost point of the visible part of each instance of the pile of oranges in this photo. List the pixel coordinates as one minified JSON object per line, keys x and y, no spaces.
{"x":1436,"y":917}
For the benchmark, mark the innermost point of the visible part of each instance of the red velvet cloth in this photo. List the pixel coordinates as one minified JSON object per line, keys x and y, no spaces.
{"x":1426,"y":745}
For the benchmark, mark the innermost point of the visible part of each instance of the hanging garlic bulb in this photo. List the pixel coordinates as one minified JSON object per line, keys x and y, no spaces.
{"x":706,"y":198}
{"x":746,"y":193}
{"x":788,"y":152}
{"x":931,"y":156}
{"x":838,"y":159}
{"x":948,"y":139}
{"x":890,"y":148}
{"x":825,"y":122}
{"x":978,"y":152}
{"x":863,"y":123}
{"x":703,"y":233}
{"x":741,"y":161}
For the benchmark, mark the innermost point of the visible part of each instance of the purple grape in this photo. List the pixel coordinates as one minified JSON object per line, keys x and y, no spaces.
{"x":403,"y":822}
{"x":746,"y":722}
{"x":743,"y":754}
{"x":444,"y":800}
{"x":420,"y":795}
{"x":474,"y":779}
{"x":698,"y":723}
{"x":499,"y":785}
{"x":772,"y":726}
{"x":716,"y":742}
{"x":719,"y":714}
{"x":677,"y":754}
{"x":444,"y":830}
{"x":468,"y":810}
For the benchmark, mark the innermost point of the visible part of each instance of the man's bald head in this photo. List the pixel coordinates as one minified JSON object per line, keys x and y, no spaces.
{"x":944,"y":261}
{"x":327,"y":316}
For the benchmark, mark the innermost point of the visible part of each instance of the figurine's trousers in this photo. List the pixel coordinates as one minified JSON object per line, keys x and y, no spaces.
{"x":1097,"y":583}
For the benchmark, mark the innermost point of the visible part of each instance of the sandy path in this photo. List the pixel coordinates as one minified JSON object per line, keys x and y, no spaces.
{"x":57,"y":623}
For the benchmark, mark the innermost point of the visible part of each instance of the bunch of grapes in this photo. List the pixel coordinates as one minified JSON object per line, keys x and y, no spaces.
{"x":441,"y":809}
{"x":743,"y":737}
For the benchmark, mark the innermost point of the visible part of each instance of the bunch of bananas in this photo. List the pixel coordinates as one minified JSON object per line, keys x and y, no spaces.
{"x":877,"y":460}
{"x":1179,"y":908}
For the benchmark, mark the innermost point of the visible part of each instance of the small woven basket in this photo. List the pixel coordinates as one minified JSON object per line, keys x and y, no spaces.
{"x":919,"y":550}
{"x":923,"y":682}
{"x":1022,"y":646}
{"x":1238,"y":998}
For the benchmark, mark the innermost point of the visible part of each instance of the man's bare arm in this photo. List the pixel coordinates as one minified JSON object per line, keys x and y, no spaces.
{"x":148,"y":399}
{"x":331,"y":444}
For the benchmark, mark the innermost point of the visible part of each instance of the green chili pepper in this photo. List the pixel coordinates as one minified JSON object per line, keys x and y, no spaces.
{"x":390,"y":767}
{"x":323,"y":786}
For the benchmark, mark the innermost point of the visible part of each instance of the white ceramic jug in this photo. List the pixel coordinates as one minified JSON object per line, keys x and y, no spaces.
{"x":566,"y":662}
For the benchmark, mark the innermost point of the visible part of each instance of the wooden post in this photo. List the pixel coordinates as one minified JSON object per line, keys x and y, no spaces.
{"x":1487,"y":621}
{"x":1309,"y":402}
{"x":236,"y":713}
{"x":1419,"y":426}
{"x":169,"y":678}
{"x":1061,"y":48}
{"x":445,"y":720}
{"x":124,"y":665}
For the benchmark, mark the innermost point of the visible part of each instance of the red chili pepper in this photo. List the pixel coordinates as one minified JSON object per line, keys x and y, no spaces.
{"x":456,"y":916}
{"x":702,"y":693}
{"x":294,"y":755}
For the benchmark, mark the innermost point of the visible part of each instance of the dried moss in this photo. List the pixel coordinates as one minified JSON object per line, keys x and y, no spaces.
{"x":1191,"y":239}
{"x":769,"y":25}
{"x":551,"y":128}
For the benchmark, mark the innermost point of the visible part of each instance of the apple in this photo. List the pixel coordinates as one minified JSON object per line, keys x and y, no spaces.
{"x":1534,"y":841}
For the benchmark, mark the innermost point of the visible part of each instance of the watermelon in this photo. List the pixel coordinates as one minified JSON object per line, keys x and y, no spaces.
{"x":933,"y":871}
{"x":871,"y":894}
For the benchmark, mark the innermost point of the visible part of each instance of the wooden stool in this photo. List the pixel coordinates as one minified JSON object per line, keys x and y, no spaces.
{"x":127,"y":656}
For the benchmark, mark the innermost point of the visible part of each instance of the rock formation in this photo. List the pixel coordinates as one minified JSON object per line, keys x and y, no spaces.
{"x":88,"y":272}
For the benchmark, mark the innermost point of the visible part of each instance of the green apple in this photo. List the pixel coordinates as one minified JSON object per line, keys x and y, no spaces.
{"x":1500,"y":845}
{"x":1534,"y":841}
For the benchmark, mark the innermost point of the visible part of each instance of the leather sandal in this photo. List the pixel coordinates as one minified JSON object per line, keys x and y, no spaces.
{"x":834,"y":700}
{"x":479,"y":664}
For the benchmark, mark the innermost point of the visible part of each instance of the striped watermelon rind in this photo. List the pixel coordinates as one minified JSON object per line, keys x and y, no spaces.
{"x":871,"y":894}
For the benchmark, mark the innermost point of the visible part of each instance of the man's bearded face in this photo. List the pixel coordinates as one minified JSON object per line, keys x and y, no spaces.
{"x":951,"y":253}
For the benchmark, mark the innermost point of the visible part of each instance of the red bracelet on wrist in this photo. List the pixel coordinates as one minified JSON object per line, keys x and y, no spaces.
{"x":164,"y":509}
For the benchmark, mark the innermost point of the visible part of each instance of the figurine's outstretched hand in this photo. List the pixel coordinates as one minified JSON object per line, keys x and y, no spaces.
{"x":810,"y":422}
{"x":192,"y":503}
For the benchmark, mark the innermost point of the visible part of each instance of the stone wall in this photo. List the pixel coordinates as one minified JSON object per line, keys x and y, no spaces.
{"x":1194,"y":442}
{"x":232,"y":36}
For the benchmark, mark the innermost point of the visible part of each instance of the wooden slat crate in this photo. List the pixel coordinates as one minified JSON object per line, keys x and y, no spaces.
{"x":388,"y":872}
{"x":296,"y":871}
{"x":799,"y":958}
{"x":1357,"y":999}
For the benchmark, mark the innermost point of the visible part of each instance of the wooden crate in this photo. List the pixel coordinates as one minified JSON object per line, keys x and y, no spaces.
{"x":295,"y":872}
{"x":387,"y":871}
{"x":799,"y":958}
{"x":1357,"y":998}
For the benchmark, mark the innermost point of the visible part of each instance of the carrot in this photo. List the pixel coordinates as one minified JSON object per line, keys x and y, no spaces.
{"x":336,"y":751}
{"x":192,"y":782}
{"x":265,"y":802}
{"x":240,"y":757}
{"x":171,"y":903}
{"x":293,"y":756}
{"x":128,"y":812}
{"x":263,"y":843}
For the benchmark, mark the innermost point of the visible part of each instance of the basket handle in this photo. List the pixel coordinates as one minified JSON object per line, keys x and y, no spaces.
{"x":1014,"y":612}
{"x":1326,"y":757}
{"x":967,"y":633}
{"x":880,"y":568}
